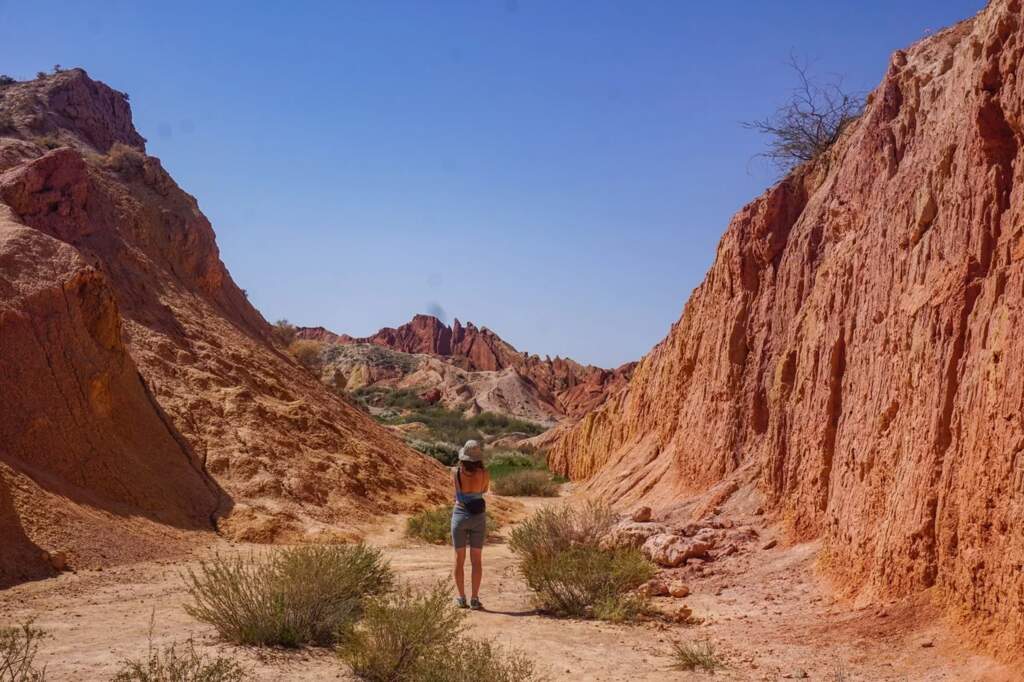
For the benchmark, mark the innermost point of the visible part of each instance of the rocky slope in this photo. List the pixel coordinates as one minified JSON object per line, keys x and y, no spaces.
{"x":852,"y":348}
{"x":147,"y":393}
{"x":559,"y":387}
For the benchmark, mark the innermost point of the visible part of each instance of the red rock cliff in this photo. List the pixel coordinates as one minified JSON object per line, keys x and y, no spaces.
{"x":568,"y":386}
{"x":854,"y":342}
{"x":147,"y":384}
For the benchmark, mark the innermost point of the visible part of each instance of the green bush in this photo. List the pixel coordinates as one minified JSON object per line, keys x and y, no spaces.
{"x":298,"y":596}
{"x":435,"y":525}
{"x":431,"y":525}
{"x":173,"y":665}
{"x":504,"y":462}
{"x":6,"y":80}
{"x":695,"y":655}
{"x":414,"y":636}
{"x":443,"y":452}
{"x":494,"y":423}
{"x":399,"y":398}
{"x":586,"y":581}
{"x":561,"y":559}
{"x":529,"y":483}
{"x":444,"y":425}
{"x":18,"y":649}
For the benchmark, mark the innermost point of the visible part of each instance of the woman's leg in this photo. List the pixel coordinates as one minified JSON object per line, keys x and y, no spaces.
{"x":460,"y":572}
{"x":477,"y":559}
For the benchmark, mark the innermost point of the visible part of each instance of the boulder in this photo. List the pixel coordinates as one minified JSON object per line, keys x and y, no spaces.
{"x":641,"y":515}
{"x":631,"y":534}
{"x":666,"y":549}
{"x":678,"y":589}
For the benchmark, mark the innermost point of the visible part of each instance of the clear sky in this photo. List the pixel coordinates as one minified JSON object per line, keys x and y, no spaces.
{"x":558,"y":171}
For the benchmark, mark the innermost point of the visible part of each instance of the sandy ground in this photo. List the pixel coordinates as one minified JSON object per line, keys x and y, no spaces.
{"x":766,"y":611}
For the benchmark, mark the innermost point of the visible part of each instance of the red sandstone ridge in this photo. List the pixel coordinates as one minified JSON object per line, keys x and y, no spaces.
{"x":854,"y":345}
{"x":144,"y":396}
{"x":570,"y":388}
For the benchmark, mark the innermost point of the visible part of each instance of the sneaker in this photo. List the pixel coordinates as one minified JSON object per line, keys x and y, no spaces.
{"x":460,"y":602}
{"x":475,"y":604}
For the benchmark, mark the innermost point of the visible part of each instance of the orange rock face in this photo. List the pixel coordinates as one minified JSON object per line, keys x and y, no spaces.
{"x":854,"y":343}
{"x":143,"y":393}
{"x":569,"y":387}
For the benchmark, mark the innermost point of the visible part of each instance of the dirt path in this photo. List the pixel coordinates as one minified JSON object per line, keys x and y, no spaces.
{"x":768,"y":614}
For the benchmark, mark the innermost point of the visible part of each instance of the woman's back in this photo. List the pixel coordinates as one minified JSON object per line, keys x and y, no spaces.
{"x":477,"y":480}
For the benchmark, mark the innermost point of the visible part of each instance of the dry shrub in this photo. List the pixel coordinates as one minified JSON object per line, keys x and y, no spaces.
{"x":696,"y":656}
{"x":810,"y":122}
{"x":18,"y":649}
{"x":307,"y":353}
{"x":125,"y":159}
{"x":284,"y":332}
{"x":48,"y":141}
{"x":304,"y":595}
{"x":431,"y":525}
{"x":185,"y":665}
{"x":530,"y":483}
{"x":562,"y":561}
{"x":418,"y":637}
{"x":554,"y":529}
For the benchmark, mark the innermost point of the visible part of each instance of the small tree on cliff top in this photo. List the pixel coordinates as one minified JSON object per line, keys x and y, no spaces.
{"x":810,"y":122}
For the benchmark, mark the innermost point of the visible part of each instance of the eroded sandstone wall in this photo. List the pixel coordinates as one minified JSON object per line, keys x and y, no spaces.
{"x":138,"y":355}
{"x":856,"y":341}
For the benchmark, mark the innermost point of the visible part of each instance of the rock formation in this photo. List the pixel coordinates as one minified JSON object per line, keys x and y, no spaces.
{"x":144,"y":395}
{"x":566,"y":386}
{"x":853,"y":346}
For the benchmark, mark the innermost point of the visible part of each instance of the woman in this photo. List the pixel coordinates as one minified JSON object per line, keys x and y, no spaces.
{"x":469,"y":520}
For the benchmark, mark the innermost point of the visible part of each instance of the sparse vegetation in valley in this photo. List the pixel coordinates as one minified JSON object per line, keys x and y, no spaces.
{"x":521,"y":474}
{"x":294,"y":597}
{"x":529,"y":483}
{"x":18,"y":649}
{"x":419,"y":637}
{"x":562,"y":561}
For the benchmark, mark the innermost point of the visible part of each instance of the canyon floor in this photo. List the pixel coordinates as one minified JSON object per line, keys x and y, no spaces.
{"x":768,"y":613}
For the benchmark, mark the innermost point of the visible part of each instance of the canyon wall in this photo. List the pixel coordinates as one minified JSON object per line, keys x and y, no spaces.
{"x":140,"y":383}
{"x":853,"y":346}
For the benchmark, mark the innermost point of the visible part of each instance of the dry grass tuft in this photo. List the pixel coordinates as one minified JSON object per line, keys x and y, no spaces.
{"x":696,"y":656}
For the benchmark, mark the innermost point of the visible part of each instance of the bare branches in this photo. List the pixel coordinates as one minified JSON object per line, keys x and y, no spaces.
{"x":810,"y":122}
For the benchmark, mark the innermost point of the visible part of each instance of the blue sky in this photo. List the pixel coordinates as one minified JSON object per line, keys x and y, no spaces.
{"x":560,"y":172}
